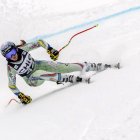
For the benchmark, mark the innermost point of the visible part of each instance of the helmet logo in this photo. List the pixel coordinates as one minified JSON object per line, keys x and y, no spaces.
{"x":8,"y":49}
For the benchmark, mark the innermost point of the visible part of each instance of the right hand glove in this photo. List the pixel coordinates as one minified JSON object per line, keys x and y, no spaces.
{"x":24,"y":99}
{"x":53,"y":54}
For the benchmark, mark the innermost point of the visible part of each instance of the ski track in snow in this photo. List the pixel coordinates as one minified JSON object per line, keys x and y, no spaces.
{"x":87,"y":129}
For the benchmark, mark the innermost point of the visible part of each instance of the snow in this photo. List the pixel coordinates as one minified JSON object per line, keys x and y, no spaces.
{"x":106,"y":109}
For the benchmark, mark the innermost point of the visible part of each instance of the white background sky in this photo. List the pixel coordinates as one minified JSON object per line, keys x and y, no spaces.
{"x":55,"y":5}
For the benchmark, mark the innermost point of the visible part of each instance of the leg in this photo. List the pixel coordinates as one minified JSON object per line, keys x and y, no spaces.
{"x":39,"y":77}
{"x":58,"y":67}
{"x":34,"y":82}
{"x":42,"y":68}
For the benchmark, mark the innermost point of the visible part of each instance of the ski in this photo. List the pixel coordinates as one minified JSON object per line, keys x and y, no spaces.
{"x":115,"y":66}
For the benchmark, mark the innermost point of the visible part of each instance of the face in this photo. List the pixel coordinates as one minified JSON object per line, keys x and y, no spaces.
{"x":14,"y":57}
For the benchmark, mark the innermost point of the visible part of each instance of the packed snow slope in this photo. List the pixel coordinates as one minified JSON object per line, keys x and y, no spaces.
{"x":106,"y":109}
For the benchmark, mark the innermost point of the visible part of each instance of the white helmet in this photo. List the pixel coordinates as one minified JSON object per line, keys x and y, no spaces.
{"x":7,"y":47}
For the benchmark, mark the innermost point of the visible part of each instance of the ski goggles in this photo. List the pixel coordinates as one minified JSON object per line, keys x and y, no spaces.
{"x":12,"y":52}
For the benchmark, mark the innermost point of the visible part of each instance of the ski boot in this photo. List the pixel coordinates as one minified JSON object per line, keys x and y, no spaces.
{"x":117,"y":66}
{"x":83,"y":79}
{"x":113,"y":66}
{"x":88,"y":67}
{"x":98,"y":67}
{"x":72,"y":79}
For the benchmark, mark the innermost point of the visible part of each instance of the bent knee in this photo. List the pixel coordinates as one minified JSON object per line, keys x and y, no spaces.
{"x":35,"y":83}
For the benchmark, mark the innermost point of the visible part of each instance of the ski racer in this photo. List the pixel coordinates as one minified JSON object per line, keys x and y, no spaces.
{"x":35,"y":72}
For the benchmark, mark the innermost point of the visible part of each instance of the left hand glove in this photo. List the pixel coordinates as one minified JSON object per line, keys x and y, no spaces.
{"x":54,"y":54}
{"x":24,"y":98}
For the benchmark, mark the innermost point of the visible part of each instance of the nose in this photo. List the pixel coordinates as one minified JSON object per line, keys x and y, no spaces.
{"x":14,"y":56}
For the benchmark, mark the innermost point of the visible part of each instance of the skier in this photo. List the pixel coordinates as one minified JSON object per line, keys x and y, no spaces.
{"x":35,"y":72}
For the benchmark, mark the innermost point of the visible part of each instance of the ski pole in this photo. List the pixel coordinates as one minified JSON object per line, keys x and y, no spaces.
{"x":13,"y":100}
{"x":76,"y":35}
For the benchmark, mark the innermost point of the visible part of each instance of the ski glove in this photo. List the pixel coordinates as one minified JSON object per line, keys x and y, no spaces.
{"x":24,"y":99}
{"x":53,"y":53}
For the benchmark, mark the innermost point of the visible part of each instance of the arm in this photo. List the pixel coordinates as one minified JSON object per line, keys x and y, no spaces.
{"x":12,"y":80}
{"x":36,"y":44}
{"x":41,"y":43}
{"x":12,"y":85}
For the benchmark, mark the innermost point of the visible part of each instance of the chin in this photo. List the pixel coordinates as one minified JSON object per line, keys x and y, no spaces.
{"x":14,"y":59}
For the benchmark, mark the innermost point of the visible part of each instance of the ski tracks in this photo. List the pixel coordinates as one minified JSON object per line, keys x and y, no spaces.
{"x":87,"y":128}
